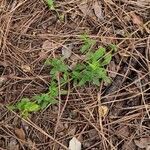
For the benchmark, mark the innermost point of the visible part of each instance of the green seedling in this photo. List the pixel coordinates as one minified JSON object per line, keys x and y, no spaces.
{"x":87,"y":43}
{"x":43,"y":100}
{"x":50,"y":4}
{"x":58,"y":66}
{"x":91,"y":70}
{"x":25,"y":106}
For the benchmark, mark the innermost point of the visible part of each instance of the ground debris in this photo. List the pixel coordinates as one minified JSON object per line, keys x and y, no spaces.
{"x":98,"y":9}
{"x":143,"y":142}
{"x":30,"y":33}
{"x":13,"y":145}
{"x":20,"y":133}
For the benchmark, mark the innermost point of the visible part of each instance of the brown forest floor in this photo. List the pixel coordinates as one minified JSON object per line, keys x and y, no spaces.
{"x":26,"y":25}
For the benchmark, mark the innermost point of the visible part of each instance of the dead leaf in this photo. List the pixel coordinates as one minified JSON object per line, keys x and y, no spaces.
{"x":20,"y":133}
{"x":112,"y":69}
{"x":142,"y":142}
{"x":136,"y":19}
{"x":86,"y":9}
{"x":47,"y":45}
{"x":26,"y":68}
{"x":67,"y":51}
{"x":120,"y":32}
{"x":2,"y":80}
{"x":98,"y":10}
{"x":103,"y":110}
{"x":43,"y":54}
{"x":123,"y":131}
{"x":74,"y":144}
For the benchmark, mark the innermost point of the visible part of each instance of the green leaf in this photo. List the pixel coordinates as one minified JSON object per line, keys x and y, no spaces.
{"x":32,"y":107}
{"x":107,"y":60}
{"x":25,"y":106}
{"x":107,"y":80}
{"x":84,"y":37}
{"x":101,"y":72}
{"x":82,"y":82}
{"x":25,"y":114}
{"x":75,"y":74}
{"x":79,"y":67}
{"x":94,"y":65}
{"x":85,"y":47}
{"x":58,"y":66}
{"x":96,"y":81}
{"x":87,"y":43}
{"x":22,"y":104}
{"x":50,"y":4}
{"x":48,"y":98}
{"x":98,"y":54}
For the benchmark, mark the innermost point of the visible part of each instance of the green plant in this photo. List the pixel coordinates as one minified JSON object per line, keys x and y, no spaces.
{"x":43,"y":100}
{"x":91,"y":70}
{"x":50,"y":4}
{"x":58,"y":66}
{"x":38,"y":102}
{"x":25,"y":106}
{"x":87,"y":43}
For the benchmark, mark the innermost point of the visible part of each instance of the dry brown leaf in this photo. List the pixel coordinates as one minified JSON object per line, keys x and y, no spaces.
{"x":98,"y":9}
{"x":86,"y":9}
{"x":20,"y":133}
{"x":43,"y":54}
{"x":142,"y":142}
{"x":2,"y":80}
{"x":103,"y":110}
{"x":112,"y":69}
{"x":26,"y":68}
{"x":67,"y":51}
{"x":136,"y":19}
{"x":123,"y":131}
{"x":47,"y":45}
